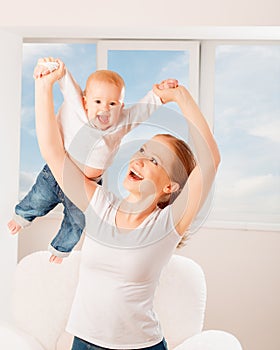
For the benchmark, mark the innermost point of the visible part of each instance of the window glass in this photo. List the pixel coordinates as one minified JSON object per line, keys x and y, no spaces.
{"x":247,"y":128}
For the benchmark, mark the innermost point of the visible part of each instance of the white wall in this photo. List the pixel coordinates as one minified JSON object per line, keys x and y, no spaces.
{"x":139,"y":13}
{"x":242,"y":267}
{"x":10,"y":83}
{"x":242,"y":270}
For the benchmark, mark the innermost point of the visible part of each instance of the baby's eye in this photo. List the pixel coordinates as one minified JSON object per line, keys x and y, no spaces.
{"x":154,"y":161}
{"x":141,"y":150}
{"x":97,"y":101}
{"x":113,"y":103}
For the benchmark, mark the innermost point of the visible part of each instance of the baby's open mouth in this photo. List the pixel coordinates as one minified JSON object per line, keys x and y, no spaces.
{"x":103,"y":118}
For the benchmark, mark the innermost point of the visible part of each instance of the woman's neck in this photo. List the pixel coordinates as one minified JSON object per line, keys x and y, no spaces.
{"x":131,"y":213}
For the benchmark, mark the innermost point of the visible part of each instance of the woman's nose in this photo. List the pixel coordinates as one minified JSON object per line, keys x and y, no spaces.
{"x":139,"y":161}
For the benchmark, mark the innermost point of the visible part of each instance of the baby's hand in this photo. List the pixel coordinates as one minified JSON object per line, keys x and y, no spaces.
{"x":165,"y":90}
{"x":48,"y":65}
{"x":168,"y":84}
{"x":167,"y":94}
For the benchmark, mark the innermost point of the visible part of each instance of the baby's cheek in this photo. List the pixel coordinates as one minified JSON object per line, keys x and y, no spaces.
{"x":115,"y":113}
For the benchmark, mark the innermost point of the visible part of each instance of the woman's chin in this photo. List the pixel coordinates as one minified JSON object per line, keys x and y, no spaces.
{"x":144,"y":189}
{"x":131,"y":185}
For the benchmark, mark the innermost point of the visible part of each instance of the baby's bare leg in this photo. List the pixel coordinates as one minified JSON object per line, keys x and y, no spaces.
{"x":14,"y":227}
{"x":55,"y":259}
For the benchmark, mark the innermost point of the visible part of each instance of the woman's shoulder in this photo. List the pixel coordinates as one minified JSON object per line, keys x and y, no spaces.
{"x":103,"y":198}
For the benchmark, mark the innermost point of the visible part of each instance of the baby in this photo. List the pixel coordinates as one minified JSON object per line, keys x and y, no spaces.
{"x":93,"y":124}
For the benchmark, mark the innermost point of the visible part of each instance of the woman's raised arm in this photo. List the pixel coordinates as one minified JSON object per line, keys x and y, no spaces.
{"x":198,"y":185}
{"x":70,"y":178}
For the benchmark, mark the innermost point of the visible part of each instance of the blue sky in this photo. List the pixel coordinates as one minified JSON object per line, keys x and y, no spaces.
{"x":247,"y":118}
{"x":247,"y":127}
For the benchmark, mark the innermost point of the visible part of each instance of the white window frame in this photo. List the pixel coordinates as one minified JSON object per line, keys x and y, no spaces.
{"x":193,"y":47}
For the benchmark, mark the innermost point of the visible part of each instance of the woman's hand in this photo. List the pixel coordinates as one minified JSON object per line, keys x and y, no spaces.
{"x":168,"y":84}
{"x":169,"y":93}
{"x":47,"y":73}
{"x":162,"y":89}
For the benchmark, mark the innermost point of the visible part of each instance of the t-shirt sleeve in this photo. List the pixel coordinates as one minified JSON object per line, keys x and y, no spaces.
{"x":72,"y":93}
{"x":142,"y":110}
{"x":96,"y":199}
{"x":100,"y":201}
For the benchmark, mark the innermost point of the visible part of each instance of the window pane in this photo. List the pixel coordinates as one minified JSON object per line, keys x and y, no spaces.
{"x":140,"y":70}
{"x":143,"y":68}
{"x":247,"y":127}
{"x":81,"y":61}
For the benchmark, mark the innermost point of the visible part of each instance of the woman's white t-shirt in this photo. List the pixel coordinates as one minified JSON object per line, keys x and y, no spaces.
{"x":119,"y":272}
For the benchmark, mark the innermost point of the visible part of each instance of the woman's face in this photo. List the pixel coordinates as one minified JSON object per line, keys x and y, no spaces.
{"x":150,"y":169}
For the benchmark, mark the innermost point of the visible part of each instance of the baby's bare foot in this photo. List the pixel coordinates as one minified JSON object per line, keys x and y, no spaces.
{"x":55,"y":259}
{"x":13,"y":227}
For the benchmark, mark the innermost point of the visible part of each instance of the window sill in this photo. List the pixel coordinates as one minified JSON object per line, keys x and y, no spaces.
{"x":243,"y":226}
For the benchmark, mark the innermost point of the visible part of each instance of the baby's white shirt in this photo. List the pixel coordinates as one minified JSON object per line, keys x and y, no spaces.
{"x":84,"y":142}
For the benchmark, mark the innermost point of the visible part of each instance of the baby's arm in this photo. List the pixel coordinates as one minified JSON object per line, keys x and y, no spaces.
{"x":71,"y":90}
{"x":142,"y":110}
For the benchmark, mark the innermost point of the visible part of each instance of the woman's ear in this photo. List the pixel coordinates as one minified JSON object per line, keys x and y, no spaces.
{"x":172,"y":187}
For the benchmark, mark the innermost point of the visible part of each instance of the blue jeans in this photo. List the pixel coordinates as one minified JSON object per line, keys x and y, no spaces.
{"x":80,"y":344}
{"x":45,"y":195}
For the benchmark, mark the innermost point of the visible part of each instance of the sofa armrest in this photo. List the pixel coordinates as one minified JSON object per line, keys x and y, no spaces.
{"x":14,"y":339}
{"x":211,"y":340}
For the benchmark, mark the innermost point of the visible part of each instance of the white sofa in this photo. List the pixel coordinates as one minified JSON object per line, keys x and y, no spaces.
{"x":43,"y":294}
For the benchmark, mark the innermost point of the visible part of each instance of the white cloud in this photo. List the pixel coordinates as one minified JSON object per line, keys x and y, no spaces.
{"x":263,"y":184}
{"x":32,"y":51}
{"x":177,"y":68}
{"x":27,"y":114}
{"x":27,"y":179}
{"x":250,"y":199}
{"x":27,"y":120}
{"x":270,"y":130}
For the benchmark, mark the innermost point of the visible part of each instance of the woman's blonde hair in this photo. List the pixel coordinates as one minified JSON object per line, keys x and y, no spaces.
{"x":185,"y":164}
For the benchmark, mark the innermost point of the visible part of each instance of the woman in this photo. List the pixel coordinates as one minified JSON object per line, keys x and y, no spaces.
{"x":129,"y":241}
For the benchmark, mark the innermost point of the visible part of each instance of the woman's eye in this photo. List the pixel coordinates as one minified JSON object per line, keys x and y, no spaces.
{"x":154,"y":161}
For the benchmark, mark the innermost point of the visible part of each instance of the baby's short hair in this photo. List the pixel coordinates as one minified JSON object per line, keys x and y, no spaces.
{"x":108,"y":76}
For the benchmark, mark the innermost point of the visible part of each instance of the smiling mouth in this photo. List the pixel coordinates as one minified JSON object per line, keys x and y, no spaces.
{"x":134,"y":175}
{"x":104,"y":118}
